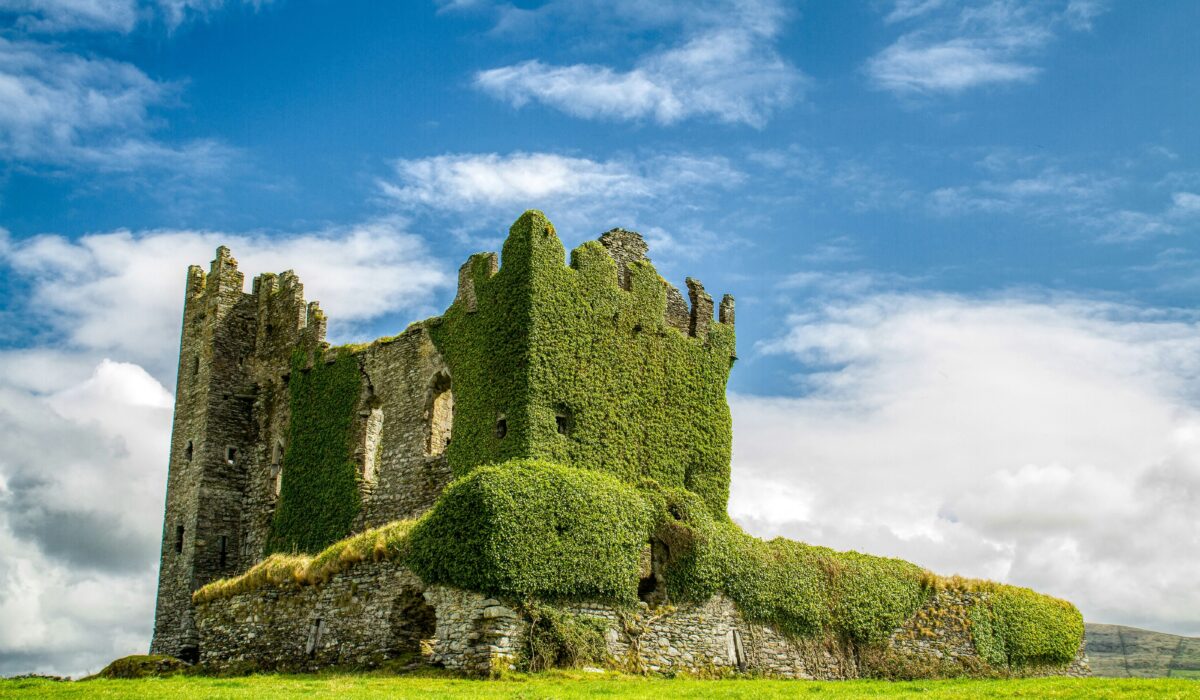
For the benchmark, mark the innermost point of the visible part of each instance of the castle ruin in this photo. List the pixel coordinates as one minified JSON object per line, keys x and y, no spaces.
{"x":597,"y":370}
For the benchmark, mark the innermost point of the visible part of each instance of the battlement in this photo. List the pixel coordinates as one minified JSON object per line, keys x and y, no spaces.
{"x":616,"y":261}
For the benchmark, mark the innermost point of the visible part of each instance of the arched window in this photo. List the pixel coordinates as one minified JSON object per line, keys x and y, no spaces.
{"x":441,"y":415}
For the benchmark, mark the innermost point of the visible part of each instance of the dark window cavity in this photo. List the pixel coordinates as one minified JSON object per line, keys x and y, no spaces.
{"x":231,"y":455}
{"x":179,"y":539}
{"x":501,"y":427}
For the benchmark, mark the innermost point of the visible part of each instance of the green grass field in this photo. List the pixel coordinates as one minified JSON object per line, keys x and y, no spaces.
{"x":583,"y":685}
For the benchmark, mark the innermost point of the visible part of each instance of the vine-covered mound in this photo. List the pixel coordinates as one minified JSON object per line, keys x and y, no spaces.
{"x":536,"y":530}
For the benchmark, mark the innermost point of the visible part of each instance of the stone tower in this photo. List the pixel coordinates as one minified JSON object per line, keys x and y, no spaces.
{"x":230,"y":346}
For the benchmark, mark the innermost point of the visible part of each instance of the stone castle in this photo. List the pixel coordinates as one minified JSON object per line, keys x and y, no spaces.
{"x":283,"y":444}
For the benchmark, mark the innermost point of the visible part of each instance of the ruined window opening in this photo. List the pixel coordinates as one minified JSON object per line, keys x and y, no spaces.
{"x":651,"y":584}
{"x":224,"y":551}
{"x":195,"y":365}
{"x":412,"y":620}
{"x":501,"y":427}
{"x":179,"y":539}
{"x":441,"y":416}
{"x":187,"y":451}
{"x":231,"y":455}
{"x":371,"y":443}
{"x":564,"y":422}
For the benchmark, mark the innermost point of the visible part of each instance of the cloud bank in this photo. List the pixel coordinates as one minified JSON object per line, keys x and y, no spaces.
{"x":1052,"y":443}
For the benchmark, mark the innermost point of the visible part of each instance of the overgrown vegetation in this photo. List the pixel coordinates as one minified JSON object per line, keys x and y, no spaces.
{"x":584,"y":428}
{"x":319,"y":498}
{"x":534,"y":529}
{"x":1023,"y":628}
{"x":386,"y":543}
{"x":142,"y":666}
{"x":559,"y":639}
{"x":585,"y":373}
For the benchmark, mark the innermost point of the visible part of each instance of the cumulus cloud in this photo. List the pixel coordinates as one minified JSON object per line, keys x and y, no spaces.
{"x":63,"y":108}
{"x":658,"y":193}
{"x":724,"y":65}
{"x":1053,"y":443}
{"x":122,"y":292}
{"x":82,"y":473}
{"x":949,"y":48}
{"x":83,"y":462}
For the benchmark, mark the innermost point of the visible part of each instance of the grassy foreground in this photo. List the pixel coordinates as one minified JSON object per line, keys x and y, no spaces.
{"x":584,"y":685}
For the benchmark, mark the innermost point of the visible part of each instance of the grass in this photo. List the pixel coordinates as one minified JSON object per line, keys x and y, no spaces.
{"x":580,"y":684}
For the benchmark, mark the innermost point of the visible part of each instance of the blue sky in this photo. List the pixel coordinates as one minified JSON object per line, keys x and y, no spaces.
{"x":962,"y":236}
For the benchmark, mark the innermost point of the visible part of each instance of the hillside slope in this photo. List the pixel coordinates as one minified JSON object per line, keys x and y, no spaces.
{"x":1118,"y":651}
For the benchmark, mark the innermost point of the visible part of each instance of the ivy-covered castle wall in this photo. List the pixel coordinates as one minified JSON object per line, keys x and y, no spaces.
{"x":547,"y":465}
{"x":284,"y":444}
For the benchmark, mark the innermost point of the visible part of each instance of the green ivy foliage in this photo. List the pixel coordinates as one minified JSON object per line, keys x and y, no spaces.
{"x":801,"y":589}
{"x":1025,"y":628}
{"x":534,"y":529}
{"x":550,"y":343}
{"x":319,"y":496}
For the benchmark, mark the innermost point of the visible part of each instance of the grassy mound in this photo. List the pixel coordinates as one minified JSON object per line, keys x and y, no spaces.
{"x":142,"y":666}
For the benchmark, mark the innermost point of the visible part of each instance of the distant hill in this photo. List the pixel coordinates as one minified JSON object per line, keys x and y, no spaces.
{"x":1120,"y":652}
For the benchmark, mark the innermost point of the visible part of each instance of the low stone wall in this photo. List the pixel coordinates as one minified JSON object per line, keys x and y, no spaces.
{"x":361,"y":617}
{"x":374,"y":612}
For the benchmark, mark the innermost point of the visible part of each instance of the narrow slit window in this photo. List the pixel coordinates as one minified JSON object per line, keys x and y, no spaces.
{"x":231,"y":455}
{"x":501,"y":427}
{"x":195,"y":365}
{"x":179,"y":539}
{"x":224,"y":551}
{"x":187,"y":451}
{"x":371,"y":443}
{"x":441,"y":416}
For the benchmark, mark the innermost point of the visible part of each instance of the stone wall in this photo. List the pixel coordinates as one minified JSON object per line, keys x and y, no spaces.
{"x":361,"y":617}
{"x":378,"y":611}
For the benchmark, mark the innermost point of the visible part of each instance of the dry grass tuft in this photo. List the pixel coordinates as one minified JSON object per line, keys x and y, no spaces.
{"x":384,"y":543}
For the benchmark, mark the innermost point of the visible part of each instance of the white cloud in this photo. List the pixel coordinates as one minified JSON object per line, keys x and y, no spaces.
{"x":64,"y":15}
{"x":122,"y":292}
{"x":1051,"y":443}
{"x":581,"y":195}
{"x":724,"y":66}
{"x":910,"y":66}
{"x":108,"y":15}
{"x":82,"y":473}
{"x":959,"y":47}
{"x":1185,"y":204}
{"x":63,"y":108}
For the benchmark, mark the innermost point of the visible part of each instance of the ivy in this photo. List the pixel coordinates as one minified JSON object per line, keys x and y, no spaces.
{"x":319,"y":496}
{"x":534,"y":529}
{"x":1025,"y":628}
{"x":585,"y":426}
{"x":583,"y":372}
